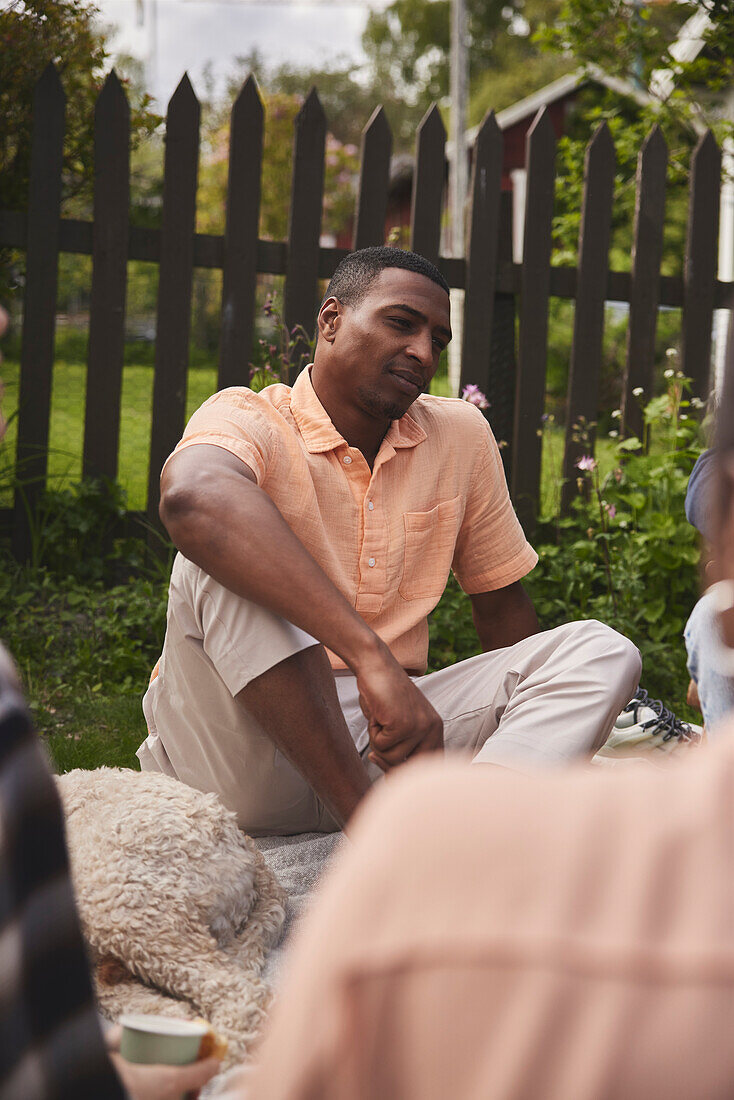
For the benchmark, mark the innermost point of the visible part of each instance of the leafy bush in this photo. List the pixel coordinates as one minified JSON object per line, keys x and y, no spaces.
{"x":71,"y":638}
{"x":625,"y":554}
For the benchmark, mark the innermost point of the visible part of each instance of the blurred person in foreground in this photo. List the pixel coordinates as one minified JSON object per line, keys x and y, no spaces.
{"x":51,"y":1042}
{"x":492,"y":935}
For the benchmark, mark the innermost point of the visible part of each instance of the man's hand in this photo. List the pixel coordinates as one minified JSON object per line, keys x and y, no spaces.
{"x":401,"y":721}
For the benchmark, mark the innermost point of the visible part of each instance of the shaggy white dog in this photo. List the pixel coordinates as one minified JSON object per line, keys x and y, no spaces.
{"x":177,"y":905}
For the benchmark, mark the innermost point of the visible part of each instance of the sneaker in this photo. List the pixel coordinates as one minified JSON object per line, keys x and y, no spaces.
{"x":647,"y":725}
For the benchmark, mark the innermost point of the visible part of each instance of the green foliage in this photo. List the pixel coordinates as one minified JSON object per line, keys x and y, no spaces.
{"x":71,"y":637}
{"x":632,"y":42}
{"x":407,"y":45}
{"x":629,"y":126}
{"x":85,"y":653}
{"x":75,"y":533}
{"x":66,"y":32}
{"x":34,"y":32}
{"x":625,"y":555}
{"x":84,"y":621}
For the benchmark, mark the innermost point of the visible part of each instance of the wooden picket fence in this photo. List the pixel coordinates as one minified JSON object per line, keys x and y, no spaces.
{"x":505,"y":332}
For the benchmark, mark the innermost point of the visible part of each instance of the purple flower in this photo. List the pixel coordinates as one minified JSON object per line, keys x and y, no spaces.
{"x":474,"y":396}
{"x":610,"y":510}
{"x":268,"y":307}
{"x":586,"y":463}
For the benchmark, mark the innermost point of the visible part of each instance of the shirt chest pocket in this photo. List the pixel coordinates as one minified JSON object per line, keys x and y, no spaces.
{"x":430,"y":538}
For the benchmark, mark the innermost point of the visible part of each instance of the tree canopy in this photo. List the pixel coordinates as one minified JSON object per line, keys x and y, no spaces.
{"x":67,"y":32}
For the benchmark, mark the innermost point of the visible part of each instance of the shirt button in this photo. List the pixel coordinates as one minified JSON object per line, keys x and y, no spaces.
{"x":370,"y":505}
{"x":347,"y":459}
{"x":371,"y":562}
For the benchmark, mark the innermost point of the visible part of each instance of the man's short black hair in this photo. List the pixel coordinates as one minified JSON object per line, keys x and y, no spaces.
{"x":358,"y":270}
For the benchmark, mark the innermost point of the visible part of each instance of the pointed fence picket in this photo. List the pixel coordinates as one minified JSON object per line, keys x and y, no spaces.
{"x":39,"y":316}
{"x":176,"y":265}
{"x":428,"y":186}
{"x":481,"y":256}
{"x":647,"y":253}
{"x":374,"y":181}
{"x":304,"y":226}
{"x":109,"y":281}
{"x":588,"y":328}
{"x":239,"y":263}
{"x":699,"y":279}
{"x":505,"y":335}
{"x":533,"y":335}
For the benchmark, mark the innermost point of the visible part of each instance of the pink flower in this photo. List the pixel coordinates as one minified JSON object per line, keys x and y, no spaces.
{"x":586,"y":463}
{"x":474,"y":396}
{"x":610,"y":510}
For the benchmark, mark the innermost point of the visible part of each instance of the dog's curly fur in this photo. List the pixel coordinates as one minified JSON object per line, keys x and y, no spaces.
{"x":177,"y":905}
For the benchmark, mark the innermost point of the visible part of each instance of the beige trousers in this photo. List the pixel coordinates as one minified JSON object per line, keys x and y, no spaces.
{"x":544,"y":701}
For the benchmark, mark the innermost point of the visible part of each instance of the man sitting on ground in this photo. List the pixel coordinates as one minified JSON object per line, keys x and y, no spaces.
{"x":316,"y":527}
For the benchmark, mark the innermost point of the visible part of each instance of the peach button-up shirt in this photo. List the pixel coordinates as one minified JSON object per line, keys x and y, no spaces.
{"x":436,"y":499}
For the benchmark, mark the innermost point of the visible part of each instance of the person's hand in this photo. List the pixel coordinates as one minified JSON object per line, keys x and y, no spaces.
{"x":400,"y":720}
{"x":158,"y":1082}
{"x":163,"y":1082}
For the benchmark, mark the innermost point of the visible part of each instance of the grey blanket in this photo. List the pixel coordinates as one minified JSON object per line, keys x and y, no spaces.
{"x":298,"y":862}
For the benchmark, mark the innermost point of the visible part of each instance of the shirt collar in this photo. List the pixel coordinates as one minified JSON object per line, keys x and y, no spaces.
{"x":318,"y":432}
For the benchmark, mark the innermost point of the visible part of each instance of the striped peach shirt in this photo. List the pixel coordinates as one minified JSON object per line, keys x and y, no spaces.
{"x":435,"y":500}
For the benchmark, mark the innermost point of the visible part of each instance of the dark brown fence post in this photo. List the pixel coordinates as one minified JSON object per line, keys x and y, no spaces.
{"x":503,"y":350}
{"x":39,"y":312}
{"x":701,"y":263}
{"x":304,"y":226}
{"x":428,"y":186}
{"x":109,"y":280}
{"x":374,"y":181}
{"x":174,"y":283}
{"x":239,"y":271}
{"x":533,"y":338}
{"x":588,"y":326}
{"x":647,"y":252}
{"x":481,"y":256}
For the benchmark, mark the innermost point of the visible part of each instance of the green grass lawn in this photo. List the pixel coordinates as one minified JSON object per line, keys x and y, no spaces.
{"x":93,"y":731}
{"x":66,"y":436}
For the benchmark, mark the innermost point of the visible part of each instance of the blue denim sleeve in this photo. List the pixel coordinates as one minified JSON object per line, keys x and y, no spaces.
{"x":698,"y":494}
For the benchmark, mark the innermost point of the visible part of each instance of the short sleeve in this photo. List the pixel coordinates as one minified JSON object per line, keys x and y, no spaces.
{"x":239,"y":421}
{"x":491,"y":548}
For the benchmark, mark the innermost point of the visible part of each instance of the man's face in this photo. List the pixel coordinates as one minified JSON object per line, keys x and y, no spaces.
{"x":385,"y":350}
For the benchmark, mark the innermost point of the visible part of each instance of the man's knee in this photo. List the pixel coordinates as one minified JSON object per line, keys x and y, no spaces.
{"x":605,"y":642}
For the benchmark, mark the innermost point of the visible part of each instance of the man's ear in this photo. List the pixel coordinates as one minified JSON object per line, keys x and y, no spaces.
{"x":329,"y":319}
